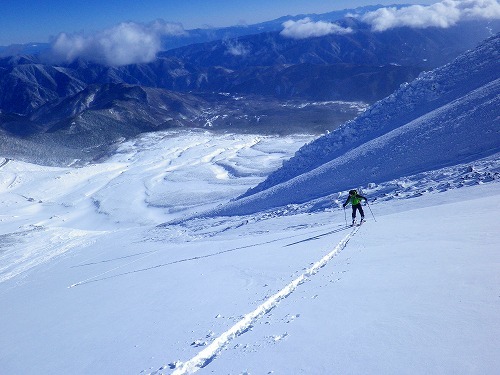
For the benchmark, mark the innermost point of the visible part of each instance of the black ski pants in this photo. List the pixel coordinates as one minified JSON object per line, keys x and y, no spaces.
{"x":359,"y":208}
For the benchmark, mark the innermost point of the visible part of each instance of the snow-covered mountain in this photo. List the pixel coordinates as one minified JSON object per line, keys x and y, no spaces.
{"x":48,"y":113}
{"x":127,"y":266}
{"x":90,"y":283}
{"x":446,"y":116}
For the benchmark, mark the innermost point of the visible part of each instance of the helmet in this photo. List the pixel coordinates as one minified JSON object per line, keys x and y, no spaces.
{"x":352,"y":192}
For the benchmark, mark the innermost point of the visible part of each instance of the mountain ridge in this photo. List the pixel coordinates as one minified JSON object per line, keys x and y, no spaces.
{"x":278,"y":66}
{"x":203,"y":35}
{"x":454,"y":119}
{"x":50,"y":103}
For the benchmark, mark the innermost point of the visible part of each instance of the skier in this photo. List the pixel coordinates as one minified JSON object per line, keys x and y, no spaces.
{"x":355,"y":199}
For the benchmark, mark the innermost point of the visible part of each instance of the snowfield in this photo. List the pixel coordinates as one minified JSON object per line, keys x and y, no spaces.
{"x":152,"y":179}
{"x":109,"y":268}
{"x":153,"y":262}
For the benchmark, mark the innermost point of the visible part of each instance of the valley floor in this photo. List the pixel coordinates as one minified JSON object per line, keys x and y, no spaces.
{"x":296,"y":292}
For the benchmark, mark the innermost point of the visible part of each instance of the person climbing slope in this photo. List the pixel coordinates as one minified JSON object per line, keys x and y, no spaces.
{"x":355,"y":199}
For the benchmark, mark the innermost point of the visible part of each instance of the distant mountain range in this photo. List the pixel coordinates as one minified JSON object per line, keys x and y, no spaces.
{"x":210,"y":34}
{"x":204,"y":85}
{"x":364,"y":66}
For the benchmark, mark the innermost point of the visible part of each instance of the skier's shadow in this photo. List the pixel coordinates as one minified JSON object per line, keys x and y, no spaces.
{"x":318,"y":236}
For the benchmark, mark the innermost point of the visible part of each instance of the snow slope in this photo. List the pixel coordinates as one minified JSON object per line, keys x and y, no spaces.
{"x":446,"y":116}
{"x":161,"y":176}
{"x":283,"y":294}
{"x":91,"y":284}
{"x":115,"y":269}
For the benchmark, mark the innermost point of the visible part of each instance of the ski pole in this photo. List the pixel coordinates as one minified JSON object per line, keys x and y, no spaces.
{"x":345,"y":217}
{"x":371,"y":211}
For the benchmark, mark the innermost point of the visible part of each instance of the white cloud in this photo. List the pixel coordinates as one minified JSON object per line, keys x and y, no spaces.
{"x":236,"y":49}
{"x":443,"y":14}
{"x":126,"y":43}
{"x":306,"y":28}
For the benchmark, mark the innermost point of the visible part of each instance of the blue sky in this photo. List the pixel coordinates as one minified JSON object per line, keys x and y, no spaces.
{"x":23,"y":21}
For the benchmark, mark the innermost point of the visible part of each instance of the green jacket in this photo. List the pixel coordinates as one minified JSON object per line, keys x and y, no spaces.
{"x":354,"y":199}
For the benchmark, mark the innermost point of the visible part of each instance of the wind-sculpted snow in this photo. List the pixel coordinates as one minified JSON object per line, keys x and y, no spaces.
{"x":47,"y":211}
{"x":444,"y":117}
{"x":430,"y":91}
{"x":91,"y":284}
{"x":415,"y":147}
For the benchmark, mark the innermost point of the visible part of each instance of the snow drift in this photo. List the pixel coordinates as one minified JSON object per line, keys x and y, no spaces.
{"x":445,"y":117}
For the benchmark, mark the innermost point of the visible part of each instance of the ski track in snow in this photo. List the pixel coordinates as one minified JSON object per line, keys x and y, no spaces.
{"x":207,"y":355}
{"x":5,"y":161}
{"x":56,"y":220}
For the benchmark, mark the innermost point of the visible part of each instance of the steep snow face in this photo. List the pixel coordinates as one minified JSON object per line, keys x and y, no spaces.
{"x":445,"y":117}
{"x":436,"y":96}
{"x":427,"y":143}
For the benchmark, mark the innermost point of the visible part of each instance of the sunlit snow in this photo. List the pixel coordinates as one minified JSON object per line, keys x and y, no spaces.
{"x":112,"y":268}
{"x":151,"y":262}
